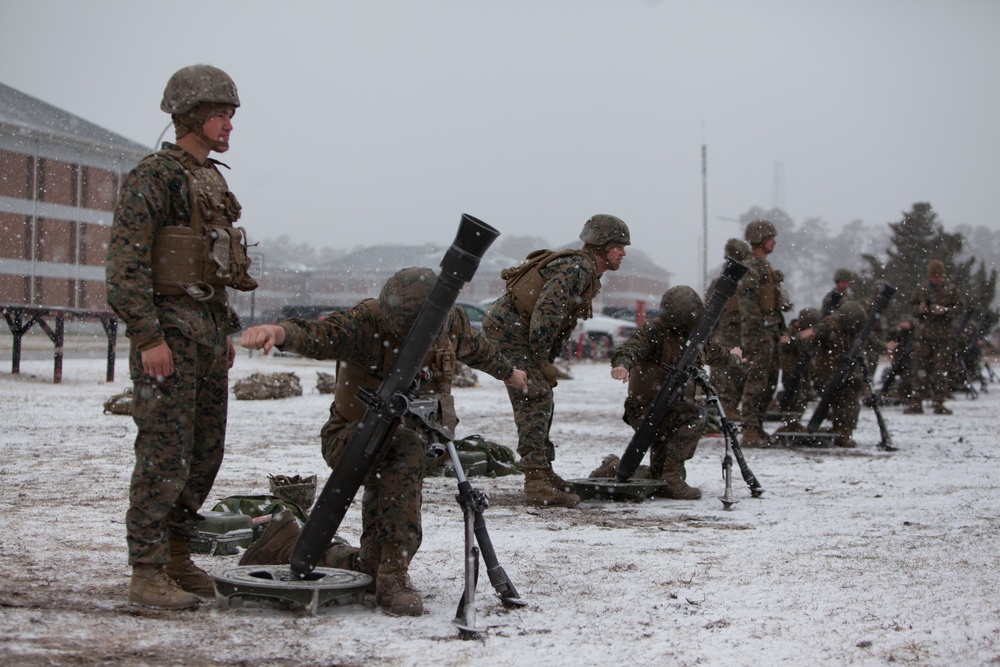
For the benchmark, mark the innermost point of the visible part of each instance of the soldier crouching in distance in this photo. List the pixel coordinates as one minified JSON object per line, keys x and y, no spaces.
{"x":832,"y":338}
{"x":641,"y":361}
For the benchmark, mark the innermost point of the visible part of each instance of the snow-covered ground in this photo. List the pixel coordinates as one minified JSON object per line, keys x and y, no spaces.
{"x":855,"y":557}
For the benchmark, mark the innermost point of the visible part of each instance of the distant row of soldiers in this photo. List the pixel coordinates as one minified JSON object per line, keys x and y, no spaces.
{"x":936,"y":350}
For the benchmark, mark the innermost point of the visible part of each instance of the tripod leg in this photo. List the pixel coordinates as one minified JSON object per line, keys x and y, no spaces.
{"x":886,"y":442}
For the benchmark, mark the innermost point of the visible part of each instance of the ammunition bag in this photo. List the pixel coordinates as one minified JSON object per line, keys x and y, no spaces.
{"x":500,"y":459}
{"x":119,"y":404}
{"x":481,"y":457}
{"x":267,"y":386}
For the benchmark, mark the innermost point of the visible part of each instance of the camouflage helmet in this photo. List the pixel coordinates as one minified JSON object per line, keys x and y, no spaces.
{"x":681,"y":308}
{"x":195,"y":85}
{"x":402,"y":297}
{"x":850,"y":317}
{"x":737,"y":249}
{"x":759,"y":231}
{"x":809,"y":317}
{"x":844,"y":276}
{"x":935,"y":268}
{"x":603,"y":229}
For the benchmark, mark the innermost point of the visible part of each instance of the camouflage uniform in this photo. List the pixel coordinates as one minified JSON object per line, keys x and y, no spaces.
{"x":365,"y":345}
{"x":936,"y":310}
{"x":658,"y":342}
{"x":728,"y":379}
{"x":173,"y":250}
{"x":533,"y":347}
{"x":835,"y":335}
{"x":181,"y":419}
{"x":761,"y":303}
{"x":835,"y":297}
{"x":792,"y":354}
{"x":531,"y":322}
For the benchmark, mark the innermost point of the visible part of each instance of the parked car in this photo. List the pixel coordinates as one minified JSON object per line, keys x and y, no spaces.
{"x":475,"y":313}
{"x":600,"y":335}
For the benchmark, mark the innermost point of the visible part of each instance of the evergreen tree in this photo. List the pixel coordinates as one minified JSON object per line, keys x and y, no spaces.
{"x":916,"y":240}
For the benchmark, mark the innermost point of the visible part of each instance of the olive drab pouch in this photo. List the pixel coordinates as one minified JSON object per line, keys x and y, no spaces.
{"x":226,"y":262}
{"x":259,"y":508}
{"x":178,"y":256}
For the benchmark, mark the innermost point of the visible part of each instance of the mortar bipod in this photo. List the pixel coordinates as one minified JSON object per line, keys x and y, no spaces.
{"x":731,"y":438}
{"x":477,"y":538}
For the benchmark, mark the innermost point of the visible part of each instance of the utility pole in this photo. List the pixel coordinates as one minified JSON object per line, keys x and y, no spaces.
{"x":704,"y":216}
{"x":778,"y":186}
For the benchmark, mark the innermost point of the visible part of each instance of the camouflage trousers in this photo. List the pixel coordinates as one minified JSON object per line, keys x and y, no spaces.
{"x":799,"y":401}
{"x":532,"y":415}
{"x":179,"y":446}
{"x":846,"y":405}
{"x":391,"y":528}
{"x":728,"y":382}
{"x":678,"y":437}
{"x":761,"y":369}
{"x":931,"y":362}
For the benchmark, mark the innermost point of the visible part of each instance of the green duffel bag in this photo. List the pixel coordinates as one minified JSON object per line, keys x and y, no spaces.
{"x":500,"y":459}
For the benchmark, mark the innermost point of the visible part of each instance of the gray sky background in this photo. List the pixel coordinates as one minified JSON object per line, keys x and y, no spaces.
{"x":383,"y":121}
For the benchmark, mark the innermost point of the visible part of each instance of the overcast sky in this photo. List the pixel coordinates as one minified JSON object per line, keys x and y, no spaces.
{"x":383,"y":121}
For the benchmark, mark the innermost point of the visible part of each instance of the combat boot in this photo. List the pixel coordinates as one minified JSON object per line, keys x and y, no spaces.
{"x":540,"y":491}
{"x":914,"y":408}
{"x":844,"y":441}
{"x":940,"y":409}
{"x":341,"y":555}
{"x":674,"y":486}
{"x":151,"y":587}
{"x":183,"y":572}
{"x":754,"y":436}
{"x":559,"y":482}
{"x":394,"y":591}
{"x":608,"y":467}
{"x":274,"y":546}
{"x":793,"y":426}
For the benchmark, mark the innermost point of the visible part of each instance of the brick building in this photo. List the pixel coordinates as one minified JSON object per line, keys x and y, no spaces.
{"x":59,"y":181}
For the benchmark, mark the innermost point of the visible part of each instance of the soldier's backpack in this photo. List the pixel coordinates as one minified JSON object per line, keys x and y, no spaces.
{"x":119,"y":404}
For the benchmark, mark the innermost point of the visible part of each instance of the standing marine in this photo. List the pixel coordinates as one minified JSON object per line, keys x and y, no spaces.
{"x":531,"y":322}
{"x":173,"y":251}
{"x":762,"y":301}
{"x":936,"y":307}
{"x":728,"y":379}
{"x":365,"y":340}
{"x":843,"y":281}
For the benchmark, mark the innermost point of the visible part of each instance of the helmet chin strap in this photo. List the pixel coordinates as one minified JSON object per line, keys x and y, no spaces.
{"x":216,"y":145}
